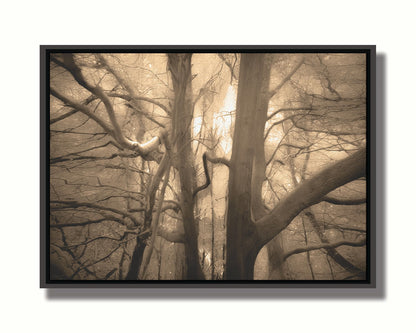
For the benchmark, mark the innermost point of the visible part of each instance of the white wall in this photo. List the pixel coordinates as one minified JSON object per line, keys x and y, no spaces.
{"x":27,"y":24}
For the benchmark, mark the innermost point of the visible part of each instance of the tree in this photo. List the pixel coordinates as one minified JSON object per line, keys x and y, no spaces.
{"x":131,"y":141}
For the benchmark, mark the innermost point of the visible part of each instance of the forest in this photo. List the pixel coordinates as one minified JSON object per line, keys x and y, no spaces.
{"x":207,"y":166}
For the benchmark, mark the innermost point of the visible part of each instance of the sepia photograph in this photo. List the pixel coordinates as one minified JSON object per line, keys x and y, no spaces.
{"x":210,"y":165}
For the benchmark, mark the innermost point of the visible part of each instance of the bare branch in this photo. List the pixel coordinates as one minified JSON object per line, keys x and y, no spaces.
{"x":69,"y":64}
{"x":286,"y":79}
{"x":217,"y":160}
{"x":358,"y":243}
{"x":310,"y":192}
{"x":62,"y":117}
{"x":229,"y":65}
{"x":288,"y":109}
{"x":84,"y":109}
{"x":76,"y":204}
{"x":333,"y":132}
{"x":129,"y":88}
{"x":346,"y":202}
{"x":82,"y":224}
{"x":142,"y":149}
{"x":277,"y":123}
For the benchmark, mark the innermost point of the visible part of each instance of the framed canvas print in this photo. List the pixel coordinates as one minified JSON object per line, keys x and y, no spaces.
{"x":203,"y":166}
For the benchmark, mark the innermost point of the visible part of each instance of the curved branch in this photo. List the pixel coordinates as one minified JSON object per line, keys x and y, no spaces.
{"x":326,"y":246}
{"x":345,"y":202}
{"x":213,"y":159}
{"x":310,"y":192}
{"x":217,"y":160}
{"x":207,"y":177}
{"x":84,"y":109}
{"x":69,"y":64}
{"x":142,"y":149}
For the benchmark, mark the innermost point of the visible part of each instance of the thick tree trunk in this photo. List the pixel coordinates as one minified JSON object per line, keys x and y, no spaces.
{"x":180,"y":68}
{"x":244,"y":236}
{"x":274,"y":249}
{"x":259,"y":161}
{"x":241,"y":232}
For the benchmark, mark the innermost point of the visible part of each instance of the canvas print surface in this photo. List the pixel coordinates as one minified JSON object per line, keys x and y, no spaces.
{"x":207,"y":166}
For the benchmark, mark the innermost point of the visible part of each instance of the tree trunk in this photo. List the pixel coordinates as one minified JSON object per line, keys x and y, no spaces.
{"x":259,"y":161}
{"x":241,"y":232}
{"x":180,"y":69}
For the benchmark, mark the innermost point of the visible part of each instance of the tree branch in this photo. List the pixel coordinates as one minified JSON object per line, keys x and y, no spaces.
{"x":129,"y":88}
{"x":73,"y":111}
{"x":76,"y":204}
{"x":142,"y":149}
{"x":207,"y":177}
{"x":69,"y":64}
{"x":84,"y":109}
{"x":62,"y":117}
{"x":217,"y":160}
{"x":229,"y":65}
{"x":346,"y":202}
{"x":334,"y":133}
{"x":286,"y":79}
{"x":141,"y":98}
{"x":82,"y":224}
{"x":332,"y":252}
{"x":310,"y":192}
{"x":361,"y":242}
{"x":288,"y":109}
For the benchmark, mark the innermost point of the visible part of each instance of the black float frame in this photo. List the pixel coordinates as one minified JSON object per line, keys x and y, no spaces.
{"x":369,"y":50}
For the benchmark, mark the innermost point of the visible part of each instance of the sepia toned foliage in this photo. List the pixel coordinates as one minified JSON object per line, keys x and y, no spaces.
{"x":208,"y":166}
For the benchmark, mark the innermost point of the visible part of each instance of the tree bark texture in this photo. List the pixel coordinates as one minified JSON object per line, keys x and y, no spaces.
{"x":241,"y":232}
{"x":183,"y":159}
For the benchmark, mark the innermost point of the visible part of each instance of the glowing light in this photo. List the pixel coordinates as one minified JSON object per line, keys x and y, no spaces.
{"x":223,"y":120}
{"x":197,"y":125}
{"x":230,"y":100}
